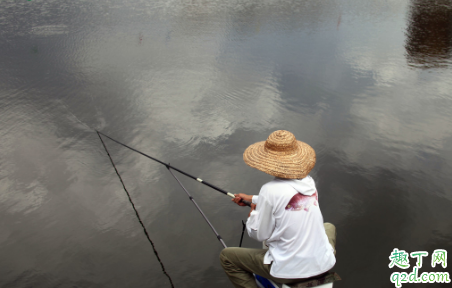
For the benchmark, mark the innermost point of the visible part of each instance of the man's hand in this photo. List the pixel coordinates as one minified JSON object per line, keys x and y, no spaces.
{"x":239,"y":197}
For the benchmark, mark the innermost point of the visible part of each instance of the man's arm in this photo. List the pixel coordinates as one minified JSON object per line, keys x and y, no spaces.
{"x":261,"y":222}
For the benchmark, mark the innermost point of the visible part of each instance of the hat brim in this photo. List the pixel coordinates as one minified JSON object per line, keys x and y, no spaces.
{"x":295,"y":164}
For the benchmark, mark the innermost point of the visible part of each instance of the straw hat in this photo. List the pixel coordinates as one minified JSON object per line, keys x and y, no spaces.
{"x":281,"y":155}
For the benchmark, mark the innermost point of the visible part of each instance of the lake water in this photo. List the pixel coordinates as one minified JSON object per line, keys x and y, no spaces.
{"x":368,"y":84}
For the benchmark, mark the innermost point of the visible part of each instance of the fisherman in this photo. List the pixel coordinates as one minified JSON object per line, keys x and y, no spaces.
{"x":285,"y":214}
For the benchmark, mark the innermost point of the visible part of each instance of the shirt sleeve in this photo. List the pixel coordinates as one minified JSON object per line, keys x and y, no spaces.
{"x":261,"y":223}
{"x":254,"y":199}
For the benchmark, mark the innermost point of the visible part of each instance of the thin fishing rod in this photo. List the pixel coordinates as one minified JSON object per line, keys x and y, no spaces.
{"x":136,"y":212}
{"x":178,"y":170}
{"x":243,"y":231}
{"x":199,"y":209}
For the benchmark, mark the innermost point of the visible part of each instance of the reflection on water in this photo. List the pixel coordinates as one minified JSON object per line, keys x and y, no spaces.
{"x":194,"y":83}
{"x":429,"y":33}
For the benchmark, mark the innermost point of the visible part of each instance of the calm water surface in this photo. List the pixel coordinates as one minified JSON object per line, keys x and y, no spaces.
{"x":366,"y":83}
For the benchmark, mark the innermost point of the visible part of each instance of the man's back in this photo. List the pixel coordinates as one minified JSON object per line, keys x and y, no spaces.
{"x":288,"y":217}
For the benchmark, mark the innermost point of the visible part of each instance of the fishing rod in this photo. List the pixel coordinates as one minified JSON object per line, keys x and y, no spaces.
{"x":178,"y":170}
{"x":199,"y":209}
{"x":136,"y":213}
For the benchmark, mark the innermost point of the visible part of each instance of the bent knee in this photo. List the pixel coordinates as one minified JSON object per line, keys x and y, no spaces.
{"x":329,"y":226}
{"x":330,"y":230}
{"x":224,"y":253}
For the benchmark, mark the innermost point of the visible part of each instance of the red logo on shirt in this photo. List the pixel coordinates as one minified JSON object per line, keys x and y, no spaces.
{"x":302,"y":202}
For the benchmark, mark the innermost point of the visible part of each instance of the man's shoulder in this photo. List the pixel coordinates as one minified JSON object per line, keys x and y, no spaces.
{"x":273,"y":183}
{"x":276,"y":187}
{"x":277,"y":182}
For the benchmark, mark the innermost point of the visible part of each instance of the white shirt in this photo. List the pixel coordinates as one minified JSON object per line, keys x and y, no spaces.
{"x":288,"y":218}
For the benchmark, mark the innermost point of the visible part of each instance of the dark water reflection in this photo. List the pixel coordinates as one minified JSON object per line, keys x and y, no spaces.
{"x":429,"y":41}
{"x":196,"y":83}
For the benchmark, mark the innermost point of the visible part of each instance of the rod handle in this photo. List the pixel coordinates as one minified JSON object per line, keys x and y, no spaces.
{"x":243,"y":201}
{"x":246,"y":202}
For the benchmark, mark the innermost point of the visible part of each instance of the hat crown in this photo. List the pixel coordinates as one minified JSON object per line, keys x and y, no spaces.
{"x":281,"y":141}
{"x":281,"y":155}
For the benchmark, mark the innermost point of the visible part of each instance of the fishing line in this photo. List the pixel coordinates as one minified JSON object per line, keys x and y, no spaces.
{"x":136,"y":212}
